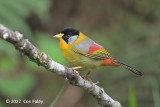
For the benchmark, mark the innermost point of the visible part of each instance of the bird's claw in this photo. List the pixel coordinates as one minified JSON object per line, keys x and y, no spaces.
{"x":86,"y":77}
{"x":76,"y":72}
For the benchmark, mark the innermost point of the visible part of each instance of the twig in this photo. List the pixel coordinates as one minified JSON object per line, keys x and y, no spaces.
{"x":42,"y":59}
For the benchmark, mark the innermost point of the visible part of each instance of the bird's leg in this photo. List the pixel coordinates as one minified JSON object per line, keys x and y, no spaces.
{"x":86,"y":76}
{"x":74,"y":68}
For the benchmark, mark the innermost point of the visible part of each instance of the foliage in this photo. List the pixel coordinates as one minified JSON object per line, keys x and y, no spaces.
{"x":13,"y":14}
{"x":57,"y":97}
{"x":156,"y":93}
{"x":132,"y":96}
{"x":17,"y":86}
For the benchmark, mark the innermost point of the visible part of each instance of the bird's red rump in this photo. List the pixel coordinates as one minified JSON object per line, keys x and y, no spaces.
{"x":109,"y":62}
{"x":93,"y":48}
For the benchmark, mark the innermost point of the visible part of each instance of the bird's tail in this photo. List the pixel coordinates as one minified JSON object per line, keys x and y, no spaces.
{"x":113,"y":62}
{"x":135,"y":71}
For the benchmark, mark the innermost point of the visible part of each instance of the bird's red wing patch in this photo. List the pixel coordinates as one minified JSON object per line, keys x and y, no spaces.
{"x":93,"y":48}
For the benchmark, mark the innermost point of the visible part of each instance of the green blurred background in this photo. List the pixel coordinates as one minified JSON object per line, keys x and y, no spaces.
{"x":128,"y":29}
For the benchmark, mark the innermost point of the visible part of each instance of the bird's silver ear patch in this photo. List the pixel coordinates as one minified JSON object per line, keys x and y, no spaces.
{"x":72,"y":39}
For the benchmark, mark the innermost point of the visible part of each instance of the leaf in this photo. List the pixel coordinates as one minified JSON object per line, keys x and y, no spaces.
{"x":156,"y":94}
{"x":132,"y":96}
{"x":7,"y":61}
{"x":13,"y":14}
{"x":2,"y":104}
{"x":57,"y":97}
{"x":41,"y":8}
{"x":18,"y":86}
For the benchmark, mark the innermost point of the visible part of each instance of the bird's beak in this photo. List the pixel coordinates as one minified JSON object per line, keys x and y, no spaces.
{"x":58,"y":35}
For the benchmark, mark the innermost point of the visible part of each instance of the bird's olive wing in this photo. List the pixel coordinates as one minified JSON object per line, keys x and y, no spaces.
{"x":94,"y":51}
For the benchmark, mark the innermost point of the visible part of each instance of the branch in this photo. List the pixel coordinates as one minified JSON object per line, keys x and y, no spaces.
{"x":42,"y":59}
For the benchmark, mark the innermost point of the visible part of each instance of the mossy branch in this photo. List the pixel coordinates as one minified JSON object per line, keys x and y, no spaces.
{"x":42,"y":59}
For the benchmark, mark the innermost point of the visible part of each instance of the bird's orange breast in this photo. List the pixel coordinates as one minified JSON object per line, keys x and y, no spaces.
{"x":67,"y":47}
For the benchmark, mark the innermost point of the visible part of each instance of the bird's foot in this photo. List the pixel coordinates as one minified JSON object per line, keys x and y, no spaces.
{"x":77,"y":73}
{"x":74,"y":69}
{"x":86,"y":77}
{"x":89,"y":79}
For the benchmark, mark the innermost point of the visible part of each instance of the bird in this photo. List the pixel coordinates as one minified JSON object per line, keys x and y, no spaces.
{"x":83,"y":52}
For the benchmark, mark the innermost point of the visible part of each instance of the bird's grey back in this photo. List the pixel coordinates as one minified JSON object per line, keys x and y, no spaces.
{"x":85,"y":45}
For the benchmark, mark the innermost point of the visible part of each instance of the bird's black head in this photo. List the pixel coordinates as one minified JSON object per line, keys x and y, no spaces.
{"x":70,"y":35}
